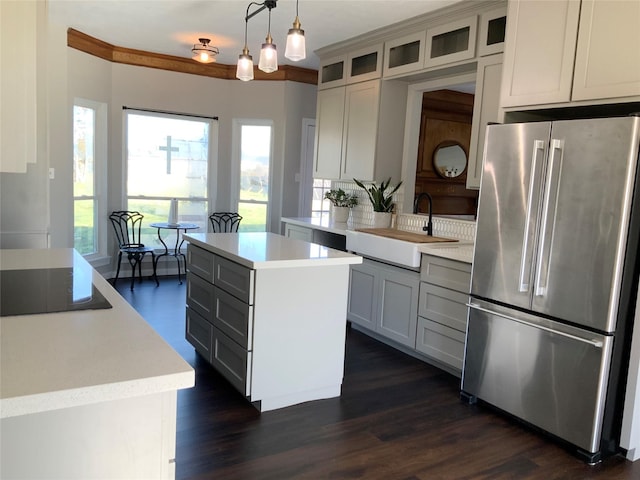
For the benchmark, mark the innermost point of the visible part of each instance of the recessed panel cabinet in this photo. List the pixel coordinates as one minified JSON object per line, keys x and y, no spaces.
{"x":442,"y":310}
{"x":384,"y":299}
{"x":544,"y":39}
{"x":486,"y":109}
{"x":360,"y":131}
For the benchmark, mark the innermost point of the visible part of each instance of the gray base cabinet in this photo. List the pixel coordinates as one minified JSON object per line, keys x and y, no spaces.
{"x":442,"y":310}
{"x":384,"y":299}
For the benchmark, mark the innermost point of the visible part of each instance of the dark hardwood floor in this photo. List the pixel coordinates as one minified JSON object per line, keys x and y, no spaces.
{"x":397,"y":418}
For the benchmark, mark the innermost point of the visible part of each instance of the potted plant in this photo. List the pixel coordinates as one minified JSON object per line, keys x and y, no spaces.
{"x":381,"y":200}
{"x":341,"y":202}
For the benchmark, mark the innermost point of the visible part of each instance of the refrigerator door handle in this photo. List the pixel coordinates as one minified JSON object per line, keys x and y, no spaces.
{"x":595,"y":343}
{"x":551,"y":187}
{"x":525,"y":272}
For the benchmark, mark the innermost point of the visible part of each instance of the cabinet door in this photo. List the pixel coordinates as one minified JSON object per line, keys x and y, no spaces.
{"x":363,"y":296}
{"x":200,"y":295}
{"x":485,"y":110}
{"x":232,"y":361}
{"x":404,"y":55}
{"x":299,"y":233}
{"x":360,"y":130}
{"x":199,"y":333}
{"x":451,"y":42}
{"x":442,"y":343}
{"x":539,"y":52}
{"x":492,"y":31}
{"x":329,"y":123}
{"x":332,"y":72}
{"x":398,"y":305}
{"x":607,"y":58}
{"x":364,"y":64}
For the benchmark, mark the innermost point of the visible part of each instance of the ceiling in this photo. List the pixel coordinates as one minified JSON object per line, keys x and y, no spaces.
{"x":172,"y":26}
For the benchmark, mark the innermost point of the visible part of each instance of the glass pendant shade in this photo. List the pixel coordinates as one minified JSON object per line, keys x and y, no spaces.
{"x":244,"y":71}
{"x":203,"y":52}
{"x":268,"y":57}
{"x":295,"y":50}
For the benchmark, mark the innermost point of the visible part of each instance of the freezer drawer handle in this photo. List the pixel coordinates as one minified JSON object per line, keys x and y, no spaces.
{"x":595,"y":343}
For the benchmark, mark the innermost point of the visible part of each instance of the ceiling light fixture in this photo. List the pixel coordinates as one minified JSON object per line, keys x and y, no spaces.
{"x":268,"y":63}
{"x":204,"y":53}
{"x":296,"y":49}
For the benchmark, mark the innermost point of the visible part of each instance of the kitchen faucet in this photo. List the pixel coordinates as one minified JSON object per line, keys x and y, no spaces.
{"x":416,"y":204}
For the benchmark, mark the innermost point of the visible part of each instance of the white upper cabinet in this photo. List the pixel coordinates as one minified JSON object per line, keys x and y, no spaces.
{"x":452,"y":42}
{"x":364,"y":64}
{"x":491,"y":31}
{"x":332,"y":72}
{"x":544,"y":39}
{"x":608,"y":52}
{"x":539,"y":51}
{"x":404,"y":54}
{"x":360,"y":131}
{"x":18,"y":84}
{"x":485,"y":110}
{"x":328,"y":142}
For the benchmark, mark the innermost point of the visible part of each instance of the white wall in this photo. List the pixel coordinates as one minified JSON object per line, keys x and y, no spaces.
{"x":33,"y":204}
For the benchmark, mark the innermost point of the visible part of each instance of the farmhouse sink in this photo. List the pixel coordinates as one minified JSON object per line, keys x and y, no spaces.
{"x":397,"y":246}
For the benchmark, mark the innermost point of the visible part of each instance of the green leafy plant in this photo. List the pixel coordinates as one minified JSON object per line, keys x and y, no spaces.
{"x":340,"y":198}
{"x":381,"y":200}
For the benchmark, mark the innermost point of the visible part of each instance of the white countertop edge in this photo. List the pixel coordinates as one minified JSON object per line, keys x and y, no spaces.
{"x":47,"y":401}
{"x":461,"y":252}
{"x":335,"y":257}
{"x":317,"y":224}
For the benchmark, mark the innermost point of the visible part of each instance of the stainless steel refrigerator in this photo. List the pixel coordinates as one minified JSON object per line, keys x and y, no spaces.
{"x":555,"y":277}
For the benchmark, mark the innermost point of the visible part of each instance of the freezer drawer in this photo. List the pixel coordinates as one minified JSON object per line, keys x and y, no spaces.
{"x":550,"y":375}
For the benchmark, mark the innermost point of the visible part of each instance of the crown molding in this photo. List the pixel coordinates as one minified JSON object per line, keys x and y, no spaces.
{"x":93,"y":46}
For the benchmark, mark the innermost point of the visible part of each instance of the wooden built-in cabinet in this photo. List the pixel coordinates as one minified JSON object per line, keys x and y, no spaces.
{"x":567,"y":51}
{"x":446,"y":118}
{"x":384,"y":299}
{"x":442,"y":311}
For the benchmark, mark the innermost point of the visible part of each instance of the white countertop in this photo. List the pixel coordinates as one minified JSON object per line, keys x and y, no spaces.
{"x":461,"y":251}
{"x":324,"y":224}
{"x":259,"y":250}
{"x":59,"y":360}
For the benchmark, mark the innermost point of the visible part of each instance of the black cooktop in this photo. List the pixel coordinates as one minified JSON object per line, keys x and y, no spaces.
{"x":48,"y":290}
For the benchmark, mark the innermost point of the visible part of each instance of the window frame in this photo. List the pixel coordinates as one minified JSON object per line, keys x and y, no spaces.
{"x":100,"y":179}
{"x":212,"y":153}
{"x":235,"y":201}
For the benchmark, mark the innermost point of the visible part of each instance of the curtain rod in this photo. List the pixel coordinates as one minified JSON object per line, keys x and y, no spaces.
{"x":124,"y":107}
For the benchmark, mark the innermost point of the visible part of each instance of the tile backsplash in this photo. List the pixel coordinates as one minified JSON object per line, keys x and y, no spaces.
{"x":362,"y":216}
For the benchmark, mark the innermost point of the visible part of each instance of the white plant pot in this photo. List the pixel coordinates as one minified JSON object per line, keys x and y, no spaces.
{"x":339,"y":214}
{"x":381,"y":219}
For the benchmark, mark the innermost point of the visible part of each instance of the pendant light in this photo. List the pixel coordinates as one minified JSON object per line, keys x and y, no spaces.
{"x":268,"y":55}
{"x":295,"y":50}
{"x":244,"y":71}
{"x":204,"y":53}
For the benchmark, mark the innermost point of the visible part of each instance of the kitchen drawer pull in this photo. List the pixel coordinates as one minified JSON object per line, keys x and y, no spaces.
{"x":595,"y":343}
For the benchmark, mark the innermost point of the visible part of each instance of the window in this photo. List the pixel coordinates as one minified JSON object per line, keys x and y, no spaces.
{"x":319,"y":205}
{"x":168,"y":156}
{"x":89,"y":178}
{"x":255,"y":162}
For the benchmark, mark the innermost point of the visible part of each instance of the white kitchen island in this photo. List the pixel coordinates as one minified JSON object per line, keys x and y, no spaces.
{"x":86,"y":393}
{"x":269,"y":313}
